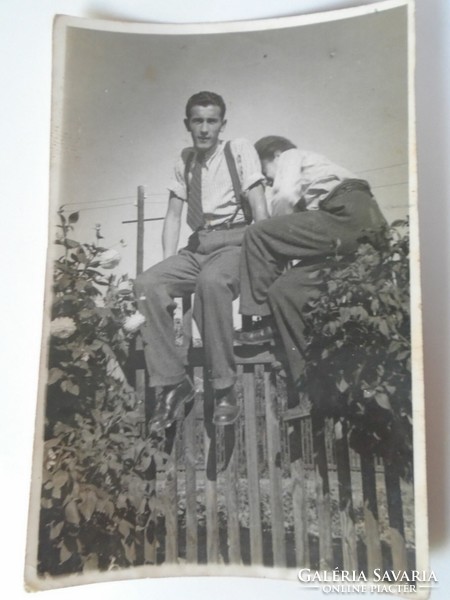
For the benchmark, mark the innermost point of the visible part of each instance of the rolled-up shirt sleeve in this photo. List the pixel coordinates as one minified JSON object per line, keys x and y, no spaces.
{"x":177,"y":184}
{"x":287,"y":186}
{"x":247,"y":162}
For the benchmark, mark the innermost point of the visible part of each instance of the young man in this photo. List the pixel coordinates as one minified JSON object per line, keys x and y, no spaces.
{"x":208,"y":178}
{"x":318,"y":208}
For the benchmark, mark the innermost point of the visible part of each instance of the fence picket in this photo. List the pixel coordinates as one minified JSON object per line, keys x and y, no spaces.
{"x":191,"y":484}
{"x":251,"y":445}
{"x":346,"y":512}
{"x":371,"y":523}
{"x":322,"y":493}
{"x":231,"y":494}
{"x":275,"y":470}
{"x":395,"y":510}
{"x":171,"y":496}
{"x":309,"y":444}
{"x":212,"y":521}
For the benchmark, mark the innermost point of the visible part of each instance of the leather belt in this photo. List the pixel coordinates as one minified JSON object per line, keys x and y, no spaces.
{"x":223,"y":226}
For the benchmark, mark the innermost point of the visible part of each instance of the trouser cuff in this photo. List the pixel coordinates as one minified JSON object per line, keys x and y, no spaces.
{"x":257,"y":310}
{"x":158,"y":381}
{"x":223,"y":383}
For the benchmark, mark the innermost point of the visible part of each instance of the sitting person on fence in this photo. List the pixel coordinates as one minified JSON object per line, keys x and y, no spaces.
{"x":222,"y":185}
{"x":318,"y":209}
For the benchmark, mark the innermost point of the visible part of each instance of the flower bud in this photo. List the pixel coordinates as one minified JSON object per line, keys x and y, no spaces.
{"x":109,"y":259}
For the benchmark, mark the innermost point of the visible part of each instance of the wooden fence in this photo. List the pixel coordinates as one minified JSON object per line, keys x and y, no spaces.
{"x":280,"y":487}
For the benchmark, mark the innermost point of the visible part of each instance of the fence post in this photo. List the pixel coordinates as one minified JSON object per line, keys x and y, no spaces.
{"x":395,"y":510}
{"x":190,"y":479}
{"x":322,"y":492}
{"x":212,"y":521}
{"x":369,"y":488}
{"x":275,"y":470}
{"x":251,"y":446}
{"x":231,"y":494}
{"x":346,"y":511}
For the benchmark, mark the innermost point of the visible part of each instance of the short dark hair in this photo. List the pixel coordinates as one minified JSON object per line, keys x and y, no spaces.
{"x":267,"y":146}
{"x":205,"y":99}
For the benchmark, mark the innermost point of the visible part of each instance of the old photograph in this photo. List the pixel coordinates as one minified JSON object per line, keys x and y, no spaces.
{"x":231,"y":375}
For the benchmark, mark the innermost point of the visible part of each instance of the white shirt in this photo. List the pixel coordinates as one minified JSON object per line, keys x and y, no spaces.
{"x":218,"y":199}
{"x":303,"y":176}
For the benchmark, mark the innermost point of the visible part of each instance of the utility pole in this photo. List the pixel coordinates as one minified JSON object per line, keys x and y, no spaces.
{"x":140,"y":228}
{"x":140,"y":231}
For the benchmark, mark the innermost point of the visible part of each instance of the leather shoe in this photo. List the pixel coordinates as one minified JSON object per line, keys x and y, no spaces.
{"x":261,"y":335}
{"x":170,"y":403}
{"x":226,"y":411}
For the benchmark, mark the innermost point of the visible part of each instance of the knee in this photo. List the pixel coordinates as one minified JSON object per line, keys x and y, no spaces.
{"x":215,"y":282}
{"x":254,"y":232}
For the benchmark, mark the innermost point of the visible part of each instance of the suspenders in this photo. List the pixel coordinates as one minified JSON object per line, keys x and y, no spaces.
{"x":236,"y":182}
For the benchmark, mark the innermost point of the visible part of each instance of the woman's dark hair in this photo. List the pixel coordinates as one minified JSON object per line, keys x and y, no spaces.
{"x":267,"y":146}
{"x":205,"y":99}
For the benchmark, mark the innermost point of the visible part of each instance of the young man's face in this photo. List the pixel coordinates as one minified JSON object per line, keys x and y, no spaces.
{"x":205,"y":124}
{"x":269,"y":167}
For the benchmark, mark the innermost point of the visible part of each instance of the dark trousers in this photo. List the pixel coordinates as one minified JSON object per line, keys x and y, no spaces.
{"x":209,"y":268}
{"x":308,"y":236}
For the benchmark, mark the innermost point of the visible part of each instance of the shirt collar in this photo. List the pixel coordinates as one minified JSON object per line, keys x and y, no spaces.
{"x":210,"y":157}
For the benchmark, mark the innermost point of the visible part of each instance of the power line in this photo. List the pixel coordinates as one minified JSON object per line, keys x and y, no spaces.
{"x":99,"y":200}
{"x":104,"y":207}
{"x":389,"y":184}
{"x":382,"y":168}
{"x":77,"y":202}
{"x":83,"y":209}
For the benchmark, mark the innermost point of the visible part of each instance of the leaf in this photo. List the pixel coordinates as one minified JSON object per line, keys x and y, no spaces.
{"x":383,"y":400}
{"x":71,"y":243}
{"x":124,"y":528}
{"x":70,"y":387}
{"x":60,"y":478}
{"x":46,"y":503}
{"x":71,"y":513}
{"x":54,"y":375}
{"x":384,"y":329}
{"x":55,"y":530}
{"x":130,"y":553}
{"x":398,"y":223}
{"x":332,"y":286}
{"x":88,"y":504}
{"x":73,"y":218}
{"x":342,"y":386}
{"x":64,"y":554}
{"x":403,"y":355}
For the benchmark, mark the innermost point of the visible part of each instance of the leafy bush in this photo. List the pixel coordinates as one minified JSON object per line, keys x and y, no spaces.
{"x":358,"y":357}
{"x":94,"y":492}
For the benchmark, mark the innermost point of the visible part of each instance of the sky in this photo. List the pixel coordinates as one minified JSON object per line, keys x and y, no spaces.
{"x":336,"y":88}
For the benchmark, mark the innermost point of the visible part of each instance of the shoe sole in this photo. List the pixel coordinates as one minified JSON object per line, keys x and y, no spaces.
{"x":222,"y":424}
{"x":270,"y":341}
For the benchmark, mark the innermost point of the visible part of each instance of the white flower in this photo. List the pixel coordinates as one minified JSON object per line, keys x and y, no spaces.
{"x":109,"y":259}
{"x":133,"y":322}
{"x":62,"y":327}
